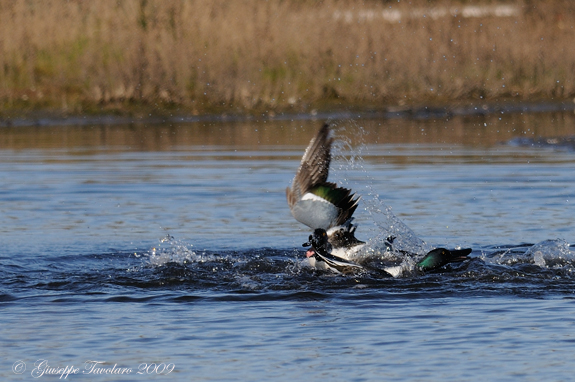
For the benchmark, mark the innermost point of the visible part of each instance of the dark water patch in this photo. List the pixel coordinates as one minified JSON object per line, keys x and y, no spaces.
{"x":4,"y":297}
{"x":541,"y":270}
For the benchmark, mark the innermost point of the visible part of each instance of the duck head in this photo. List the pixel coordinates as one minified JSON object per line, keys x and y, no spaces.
{"x":439,"y":257}
{"x":318,"y":241}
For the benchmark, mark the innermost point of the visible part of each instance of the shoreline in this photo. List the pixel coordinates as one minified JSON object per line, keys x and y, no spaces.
{"x":47,"y":119}
{"x":253,"y":58}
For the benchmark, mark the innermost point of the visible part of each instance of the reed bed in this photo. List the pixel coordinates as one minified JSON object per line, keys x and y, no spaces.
{"x":253,"y":56}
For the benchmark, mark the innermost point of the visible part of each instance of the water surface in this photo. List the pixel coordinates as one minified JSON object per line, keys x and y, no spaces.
{"x":173,"y":244}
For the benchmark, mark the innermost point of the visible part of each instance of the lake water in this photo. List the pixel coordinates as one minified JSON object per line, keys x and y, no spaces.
{"x":168,"y":252}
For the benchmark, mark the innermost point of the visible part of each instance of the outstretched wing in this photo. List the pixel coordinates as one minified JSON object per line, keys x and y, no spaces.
{"x":314,"y":167}
{"x":313,"y":200}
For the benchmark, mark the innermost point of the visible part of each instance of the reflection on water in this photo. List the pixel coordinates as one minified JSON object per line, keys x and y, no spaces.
{"x":469,"y":131}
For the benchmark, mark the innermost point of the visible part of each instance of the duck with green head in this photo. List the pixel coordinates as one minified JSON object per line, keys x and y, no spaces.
{"x":328,"y":210}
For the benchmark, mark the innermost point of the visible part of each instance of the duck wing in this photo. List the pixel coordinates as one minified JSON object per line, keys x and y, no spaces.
{"x":313,"y":200}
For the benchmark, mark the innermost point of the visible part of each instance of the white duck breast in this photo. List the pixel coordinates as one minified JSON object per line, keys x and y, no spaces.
{"x":315,"y":212}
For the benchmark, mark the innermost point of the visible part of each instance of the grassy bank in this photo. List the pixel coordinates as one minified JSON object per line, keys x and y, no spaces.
{"x":254,"y":56}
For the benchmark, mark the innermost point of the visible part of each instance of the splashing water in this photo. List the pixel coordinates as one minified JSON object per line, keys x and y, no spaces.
{"x":171,"y":250}
{"x":349,"y":151}
{"x":549,"y":253}
{"x":546,"y":254}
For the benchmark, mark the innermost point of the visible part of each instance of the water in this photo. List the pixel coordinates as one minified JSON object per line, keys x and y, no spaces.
{"x":169,"y":251}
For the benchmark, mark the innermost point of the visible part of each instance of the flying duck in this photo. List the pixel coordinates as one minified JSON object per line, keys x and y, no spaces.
{"x":328,"y":210}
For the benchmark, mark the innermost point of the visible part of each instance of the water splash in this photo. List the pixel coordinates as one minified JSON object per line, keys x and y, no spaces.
{"x":550,"y":253}
{"x":349,"y":151}
{"x":545,"y":254}
{"x":171,"y":250}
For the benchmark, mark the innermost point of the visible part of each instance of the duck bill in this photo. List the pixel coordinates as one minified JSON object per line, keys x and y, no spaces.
{"x":460,"y":254}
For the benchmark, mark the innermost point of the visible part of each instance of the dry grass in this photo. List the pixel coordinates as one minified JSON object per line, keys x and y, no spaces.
{"x":251,"y":55}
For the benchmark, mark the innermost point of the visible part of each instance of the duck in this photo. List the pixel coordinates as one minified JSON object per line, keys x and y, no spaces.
{"x":328,"y":210}
{"x":320,"y":257}
{"x":317,"y":203}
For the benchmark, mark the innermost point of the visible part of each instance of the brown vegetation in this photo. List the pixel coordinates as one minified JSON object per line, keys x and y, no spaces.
{"x":251,"y":55}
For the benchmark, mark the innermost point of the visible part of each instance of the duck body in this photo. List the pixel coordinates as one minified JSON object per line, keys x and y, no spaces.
{"x":343,"y":242}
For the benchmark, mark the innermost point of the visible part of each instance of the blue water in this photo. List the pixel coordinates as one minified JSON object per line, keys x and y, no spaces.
{"x":171,"y":247}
